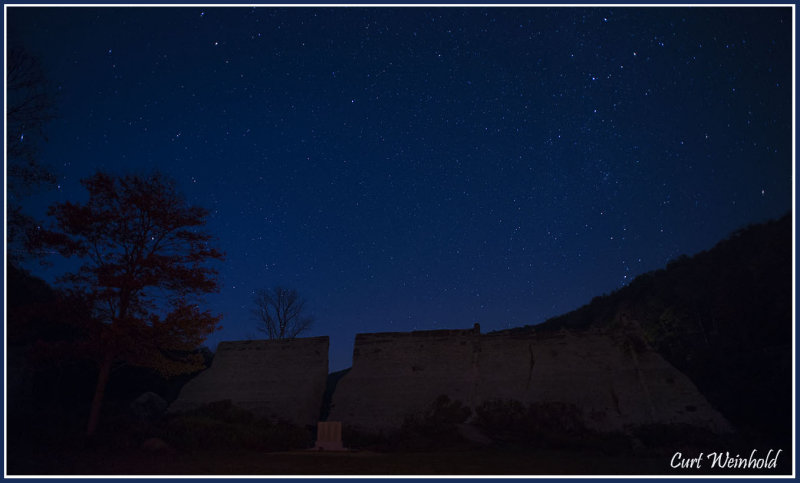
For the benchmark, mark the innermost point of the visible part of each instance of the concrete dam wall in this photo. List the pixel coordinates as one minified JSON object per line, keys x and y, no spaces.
{"x":282,"y":380}
{"x":610,"y":376}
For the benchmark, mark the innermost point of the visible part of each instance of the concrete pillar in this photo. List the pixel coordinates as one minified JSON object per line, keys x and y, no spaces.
{"x":329,"y":436}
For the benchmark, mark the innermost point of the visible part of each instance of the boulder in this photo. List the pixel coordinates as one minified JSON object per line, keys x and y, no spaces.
{"x":148,"y":407}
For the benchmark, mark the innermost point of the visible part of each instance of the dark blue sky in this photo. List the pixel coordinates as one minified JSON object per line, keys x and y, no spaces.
{"x":424,"y":168}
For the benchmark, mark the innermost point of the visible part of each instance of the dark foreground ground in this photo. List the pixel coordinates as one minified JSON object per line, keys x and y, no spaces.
{"x":465,"y":462}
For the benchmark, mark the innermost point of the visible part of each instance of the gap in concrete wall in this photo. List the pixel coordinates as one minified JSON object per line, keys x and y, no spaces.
{"x":330,"y":388}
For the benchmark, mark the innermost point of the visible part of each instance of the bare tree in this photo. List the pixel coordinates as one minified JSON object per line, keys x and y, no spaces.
{"x":280,"y":313}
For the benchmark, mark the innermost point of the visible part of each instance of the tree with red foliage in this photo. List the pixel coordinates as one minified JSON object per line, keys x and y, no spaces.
{"x":145,"y":267}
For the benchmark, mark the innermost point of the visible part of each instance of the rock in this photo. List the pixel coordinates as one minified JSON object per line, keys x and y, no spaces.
{"x":149,"y":406}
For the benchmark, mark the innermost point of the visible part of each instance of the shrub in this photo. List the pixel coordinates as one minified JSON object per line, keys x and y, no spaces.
{"x":445,"y":413}
{"x":222,"y":425}
{"x":359,"y":439}
{"x":435,"y":428}
{"x":546,"y":424}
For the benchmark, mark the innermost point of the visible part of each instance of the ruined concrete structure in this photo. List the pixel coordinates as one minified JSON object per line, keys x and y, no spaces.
{"x":611,"y":376}
{"x":282,"y":380}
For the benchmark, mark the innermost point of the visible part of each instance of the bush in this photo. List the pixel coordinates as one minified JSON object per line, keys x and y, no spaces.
{"x":545,"y":424}
{"x":224,"y":411}
{"x":434,"y":428}
{"x":503,"y":418}
{"x":222,"y":425}
{"x":442,"y":413}
{"x":359,"y":439}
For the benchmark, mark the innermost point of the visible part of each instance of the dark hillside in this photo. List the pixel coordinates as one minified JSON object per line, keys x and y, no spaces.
{"x":723,"y":317}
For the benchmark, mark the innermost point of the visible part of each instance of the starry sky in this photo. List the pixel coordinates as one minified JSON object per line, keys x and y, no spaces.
{"x":428,"y":168}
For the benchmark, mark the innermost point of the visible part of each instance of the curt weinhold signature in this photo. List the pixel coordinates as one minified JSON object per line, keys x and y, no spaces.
{"x":726,"y":460}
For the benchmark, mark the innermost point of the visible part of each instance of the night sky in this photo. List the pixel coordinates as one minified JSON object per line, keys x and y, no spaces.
{"x":428,"y":168}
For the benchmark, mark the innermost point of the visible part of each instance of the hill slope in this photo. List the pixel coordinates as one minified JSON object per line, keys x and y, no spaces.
{"x":724,"y":318}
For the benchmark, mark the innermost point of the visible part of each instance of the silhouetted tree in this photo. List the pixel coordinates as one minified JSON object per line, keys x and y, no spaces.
{"x":280,"y":313}
{"x":30,"y":105}
{"x":144,"y":270}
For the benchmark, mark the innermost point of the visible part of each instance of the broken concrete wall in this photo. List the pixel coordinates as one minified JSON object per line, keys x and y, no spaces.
{"x":282,"y":380}
{"x":611,"y":375}
{"x":396,"y":373}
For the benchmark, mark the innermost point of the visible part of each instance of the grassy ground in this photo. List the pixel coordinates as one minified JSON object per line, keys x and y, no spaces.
{"x":465,"y":462}
{"x":202,"y":444}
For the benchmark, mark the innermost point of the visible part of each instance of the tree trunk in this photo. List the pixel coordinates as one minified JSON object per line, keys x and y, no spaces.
{"x":97,"y":401}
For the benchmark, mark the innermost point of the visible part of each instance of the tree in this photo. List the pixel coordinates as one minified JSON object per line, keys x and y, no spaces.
{"x":30,"y":105}
{"x":144,"y":270}
{"x":280,"y":313}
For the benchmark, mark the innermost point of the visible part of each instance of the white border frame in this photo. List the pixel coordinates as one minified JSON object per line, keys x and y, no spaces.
{"x":409,"y":5}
